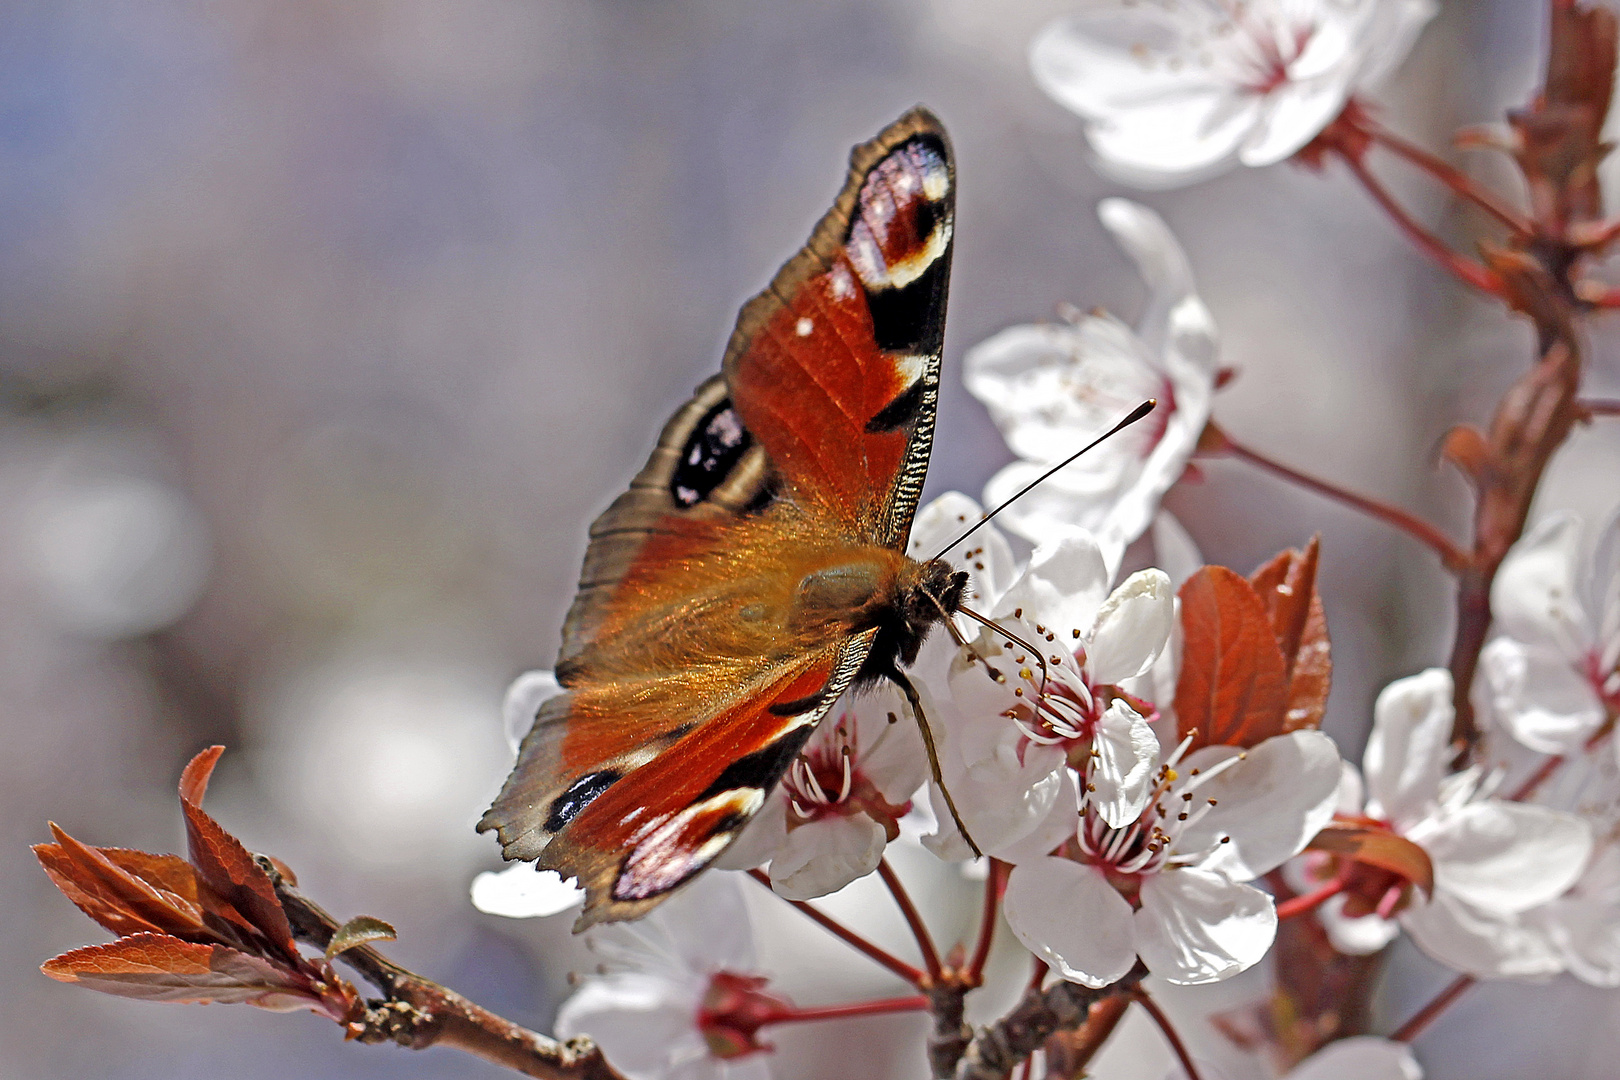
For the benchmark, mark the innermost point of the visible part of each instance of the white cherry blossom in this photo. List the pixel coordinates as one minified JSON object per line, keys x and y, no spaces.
{"x":1494,"y":860}
{"x":1172,"y":887}
{"x":1552,"y":678}
{"x":1173,"y":91}
{"x":659,"y":975}
{"x":1584,"y":923}
{"x":828,"y":820}
{"x":1011,"y":726}
{"x":1053,"y":387}
{"x":1360,"y":1057}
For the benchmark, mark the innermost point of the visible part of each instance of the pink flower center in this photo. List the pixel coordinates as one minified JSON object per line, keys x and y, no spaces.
{"x":734,"y":1009}
{"x":1265,"y":54}
{"x":1130,"y":855}
{"x":827,"y":781}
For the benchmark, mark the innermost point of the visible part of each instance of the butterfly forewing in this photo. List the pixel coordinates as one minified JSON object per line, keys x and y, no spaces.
{"x":715,"y":622}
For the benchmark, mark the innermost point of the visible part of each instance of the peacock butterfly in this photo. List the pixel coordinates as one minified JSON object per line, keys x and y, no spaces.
{"x":756,"y":569}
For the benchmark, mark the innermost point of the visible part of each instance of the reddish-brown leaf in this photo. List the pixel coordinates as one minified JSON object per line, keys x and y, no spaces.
{"x":156,"y":967}
{"x":1467,"y":448}
{"x":115,"y":892}
{"x":226,"y":867}
{"x":194,"y":777}
{"x":1233,"y":687}
{"x":1287,"y":586}
{"x":1378,"y":846}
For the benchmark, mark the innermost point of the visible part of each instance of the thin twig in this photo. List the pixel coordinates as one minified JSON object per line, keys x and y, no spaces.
{"x":1533,"y":782}
{"x":919,"y":929}
{"x":1296,"y":906}
{"x":1437,"y":1005}
{"x":1532,"y":420}
{"x":1600,"y":406}
{"x":1449,"y":175}
{"x":997,"y":1049}
{"x":1141,"y":997}
{"x":912,"y":975}
{"x":993,"y":885}
{"x":1467,"y":271}
{"x":1451,"y":556}
{"x":884,"y":1006}
{"x":417,"y":1013}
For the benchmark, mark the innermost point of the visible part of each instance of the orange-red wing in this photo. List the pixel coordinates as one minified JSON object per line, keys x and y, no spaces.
{"x":691,"y":672}
{"x":834,"y":368}
{"x":643,"y":835}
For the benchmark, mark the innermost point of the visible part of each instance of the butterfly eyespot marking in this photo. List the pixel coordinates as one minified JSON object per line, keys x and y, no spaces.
{"x":717,"y":444}
{"x":577,"y":796}
{"x":668,"y":852}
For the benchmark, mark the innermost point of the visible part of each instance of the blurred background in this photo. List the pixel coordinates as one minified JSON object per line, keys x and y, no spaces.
{"x":325,"y":328}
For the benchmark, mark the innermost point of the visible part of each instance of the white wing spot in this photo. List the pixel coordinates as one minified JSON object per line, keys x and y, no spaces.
{"x":803,"y":327}
{"x":910,"y":367}
{"x":843,"y":285}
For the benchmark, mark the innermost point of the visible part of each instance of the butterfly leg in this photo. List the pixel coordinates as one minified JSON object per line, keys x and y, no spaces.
{"x":898,"y":677}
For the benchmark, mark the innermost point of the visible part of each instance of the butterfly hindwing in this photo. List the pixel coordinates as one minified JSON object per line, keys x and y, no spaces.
{"x":696,"y":659}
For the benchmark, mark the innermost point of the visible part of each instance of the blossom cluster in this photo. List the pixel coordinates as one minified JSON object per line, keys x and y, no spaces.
{"x":1123,"y":744}
{"x":1139,"y":814}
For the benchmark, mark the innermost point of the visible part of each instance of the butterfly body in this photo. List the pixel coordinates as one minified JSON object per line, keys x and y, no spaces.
{"x":755,"y":569}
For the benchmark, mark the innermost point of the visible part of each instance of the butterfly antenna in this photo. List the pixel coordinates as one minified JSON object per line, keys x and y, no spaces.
{"x":1136,"y":414}
{"x":1040,"y":695}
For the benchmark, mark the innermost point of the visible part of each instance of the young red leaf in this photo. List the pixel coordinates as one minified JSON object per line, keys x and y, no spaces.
{"x":122,"y":900}
{"x":358,"y":931}
{"x":156,"y":967}
{"x":1287,"y":586}
{"x":1233,"y":687}
{"x":227,"y":869}
{"x":1378,"y":847}
{"x":194,"y":777}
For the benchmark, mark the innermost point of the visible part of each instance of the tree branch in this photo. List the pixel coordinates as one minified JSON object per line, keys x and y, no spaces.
{"x":417,"y":1013}
{"x":996,"y":1049}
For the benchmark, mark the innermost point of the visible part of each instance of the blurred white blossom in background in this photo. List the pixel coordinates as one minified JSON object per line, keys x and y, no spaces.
{"x":1052,"y":387}
{"x":1174,"y":91}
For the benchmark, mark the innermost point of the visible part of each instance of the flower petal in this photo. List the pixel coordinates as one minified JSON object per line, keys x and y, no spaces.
{"x":1293,"y":117}
{"x":1585,"y":923}
{"x":1410,"y":746}
{"x":1538,"y":697}
{"x":641,"y":1022}
{"x":1058,"y":825}
{"x":760,"y":839}
{"x":1063,"y":587}
{"x":1195,"y":926}
{"x":821,"y":857}
{"x":1360,"y":1057}
{"x":1120,"y":775}
{"x":1356,"y":935}
{"x":1475,"y":942}
{"x":524,"y":697}
{"x":1393,"y":30}
{"x":1505,"y":857}
{"x":1068,"y":915}
{"x":1131,"y":628}
{"x":888,"y":746}
{"x":522,"y":892}
{"x":1271,"y":803}
{"x":1157,"y":116}
{"x":940,"y":522}
{"x":1536,"y":594}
